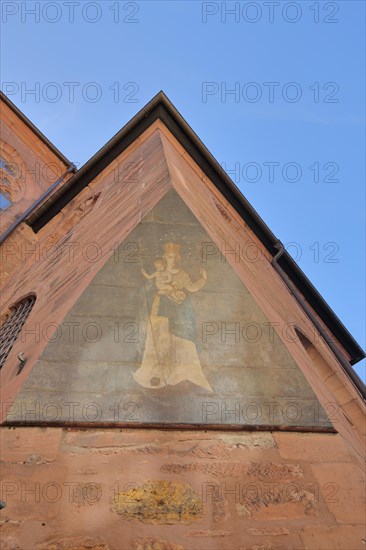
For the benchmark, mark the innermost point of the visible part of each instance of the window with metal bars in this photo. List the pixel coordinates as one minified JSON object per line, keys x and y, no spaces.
{"x":12,"y":325}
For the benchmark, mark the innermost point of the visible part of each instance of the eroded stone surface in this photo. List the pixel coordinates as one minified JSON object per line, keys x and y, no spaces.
{"x":273,"y":532}
{"x":209,"y":533}
{"x":261,"y":471}
{"x":267,"y":470}
{"x":249,"y":441}
{"x":278,"y":502}
{"x":153,"y":543}
{"x":74,"y":543}
{"x":159,"y":501}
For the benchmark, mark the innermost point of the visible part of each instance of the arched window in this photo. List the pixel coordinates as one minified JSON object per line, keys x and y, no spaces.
{"x":12,"y":325}
{"x":4,"y":200}
{"x":8,"y":186}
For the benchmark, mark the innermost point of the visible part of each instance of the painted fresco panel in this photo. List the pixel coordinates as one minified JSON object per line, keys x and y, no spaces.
{"x":167,"y":333}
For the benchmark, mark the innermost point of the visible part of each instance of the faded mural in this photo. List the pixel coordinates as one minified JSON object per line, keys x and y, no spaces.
{"x":170,"y":353}
{"x":166,"y":333}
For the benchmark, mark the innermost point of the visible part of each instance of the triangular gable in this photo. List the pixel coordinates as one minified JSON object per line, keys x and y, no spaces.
{"x":166,"y":333}
{"x":161,"y":110}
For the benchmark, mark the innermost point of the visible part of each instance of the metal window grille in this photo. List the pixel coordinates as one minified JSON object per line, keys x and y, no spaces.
{"x":12,"y":325}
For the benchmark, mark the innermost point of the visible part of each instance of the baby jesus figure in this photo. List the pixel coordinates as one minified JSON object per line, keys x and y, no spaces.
{"x":163,"y":279}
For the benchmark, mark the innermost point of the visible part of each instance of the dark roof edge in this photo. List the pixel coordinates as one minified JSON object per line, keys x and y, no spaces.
{"x":161,"y":108}
{"x":34,"y":128}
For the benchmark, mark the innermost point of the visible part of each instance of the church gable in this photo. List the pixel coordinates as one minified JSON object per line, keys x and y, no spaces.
{"x":167,"y":333}
{"x":151,"y":300}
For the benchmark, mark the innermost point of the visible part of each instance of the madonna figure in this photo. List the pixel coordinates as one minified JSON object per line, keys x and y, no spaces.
{"x":170,"y":354}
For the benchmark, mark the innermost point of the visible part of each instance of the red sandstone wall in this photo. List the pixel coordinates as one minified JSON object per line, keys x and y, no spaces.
{"x":179,"y":490}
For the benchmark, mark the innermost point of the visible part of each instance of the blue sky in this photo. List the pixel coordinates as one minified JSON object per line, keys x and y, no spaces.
{"x":291,"y":133}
